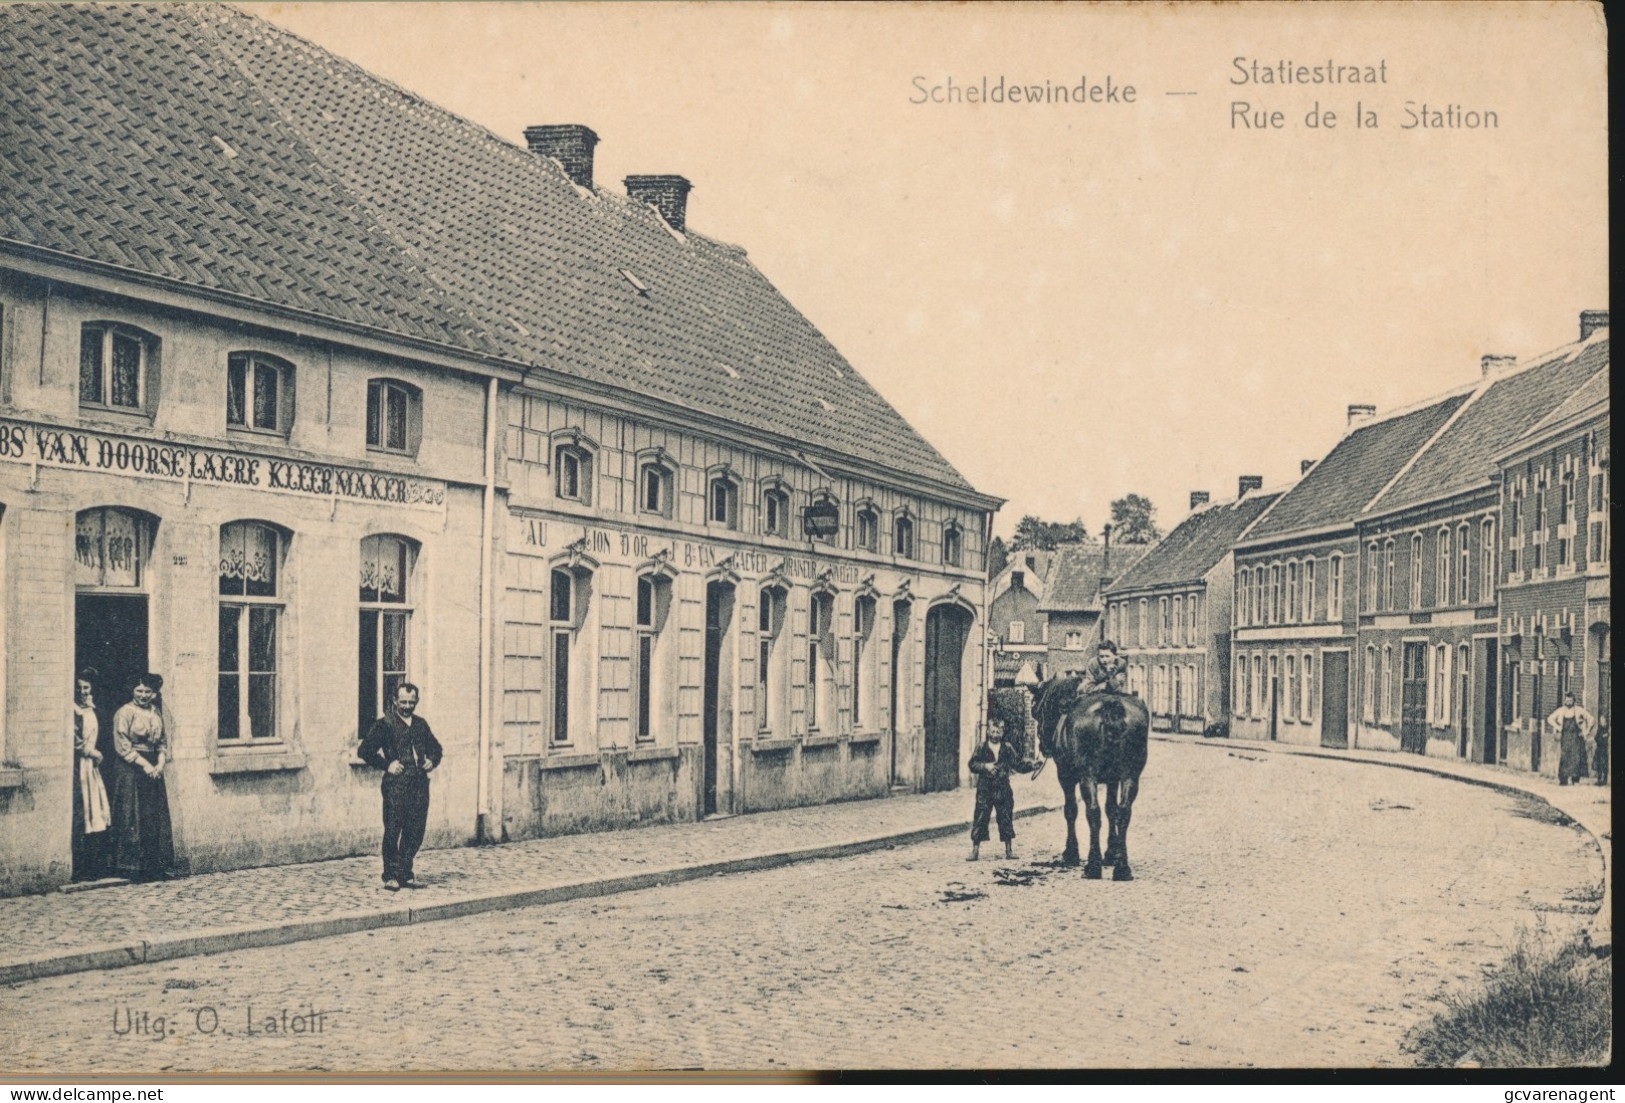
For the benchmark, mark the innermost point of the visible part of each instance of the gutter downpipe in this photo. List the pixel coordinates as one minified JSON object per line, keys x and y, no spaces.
{"x":987,"y":609}
{"x":482,"y":825}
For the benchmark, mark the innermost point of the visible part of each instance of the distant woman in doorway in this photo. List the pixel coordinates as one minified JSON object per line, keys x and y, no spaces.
{"x":91,"y":813}
{"x":143,"y":847}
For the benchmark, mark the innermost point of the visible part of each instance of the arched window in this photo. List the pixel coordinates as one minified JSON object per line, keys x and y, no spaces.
{"x":1390,"y":684}
{"x":952,"y":544}
{"x":259,"y":392}
{"x":776,"y":511}
{"x":1308,"y":590}
{"x":117,"y":367}
{"x":769,"y":678}
{"x":903,"y":536}
{"x":1243,"y":583}
{"x":821,"y":662}
{"x":388,"y":596}
{"x":1368,"y":686}
{"x":1486,"y":562}
{"x":1464,"y":567}
{"x":1244,"y":687}
{"x":573,"y":471}
{"x":1416,"y":570}
{"x":1308,"y":713}
{"x":653,"y":607}
{"x":569,"y":596}
{"x":1334,"y":588}
{"x":394,"y":416}
{"x":1292,"y":599}
{"x":1140,"y":624}
{"x":867,"y":533}
{"x":722,"y":500}
{"x":656,"y":485}
{"x":863,"y":680}
{"x":1373,"y":575}
{"x":250,"y":638}
{"x":1294,"y":688}
{"x":1388,"y":601}
{"x":1441,"y":573}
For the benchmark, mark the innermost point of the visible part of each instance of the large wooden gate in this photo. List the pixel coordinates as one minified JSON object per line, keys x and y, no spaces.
{"x":947,"y":627}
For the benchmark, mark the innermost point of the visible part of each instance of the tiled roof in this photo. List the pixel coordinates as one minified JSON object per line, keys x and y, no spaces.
{"x":1197,"y":543}
{"x":1461,"y":458}
{"x":1592,"y":392}
{"x":1073,"y":585}
{"x":1338,"y":487}
{"x":203,"y":145}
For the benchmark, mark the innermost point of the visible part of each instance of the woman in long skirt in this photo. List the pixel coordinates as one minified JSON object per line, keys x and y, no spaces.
{"x":91,"y":813}
{"x":143,"y":847}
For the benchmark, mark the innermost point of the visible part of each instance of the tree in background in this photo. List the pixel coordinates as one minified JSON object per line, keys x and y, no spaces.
{"x":1032,"y":533}
{"x":1134,"y":520}
{"x":997,"y":556}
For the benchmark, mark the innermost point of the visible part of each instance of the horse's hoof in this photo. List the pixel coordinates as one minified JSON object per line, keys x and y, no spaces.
{"x":1091,"y":872}
{"x":1122,"y":872}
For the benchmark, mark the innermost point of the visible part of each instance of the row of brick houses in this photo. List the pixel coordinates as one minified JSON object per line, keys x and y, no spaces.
{"x":1440,"y":578}
{"x":309,"y":387}
{"x":1046,"y":606}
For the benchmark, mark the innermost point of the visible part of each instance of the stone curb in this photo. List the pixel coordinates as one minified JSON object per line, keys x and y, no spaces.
{"x":1600,"y":922}
{"x":224,"y":939}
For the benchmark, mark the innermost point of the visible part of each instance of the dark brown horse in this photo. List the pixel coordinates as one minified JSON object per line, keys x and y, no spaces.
{"x":1095,"y":739}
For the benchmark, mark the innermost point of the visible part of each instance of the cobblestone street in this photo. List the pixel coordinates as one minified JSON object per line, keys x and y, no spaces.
{"x":1289,"y":911}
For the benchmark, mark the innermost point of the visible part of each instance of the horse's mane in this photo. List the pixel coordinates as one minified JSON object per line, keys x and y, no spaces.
{"x":1054,"y":699}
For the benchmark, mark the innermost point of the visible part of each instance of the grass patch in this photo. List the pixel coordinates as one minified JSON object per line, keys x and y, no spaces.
{"x":1543,"y":1007}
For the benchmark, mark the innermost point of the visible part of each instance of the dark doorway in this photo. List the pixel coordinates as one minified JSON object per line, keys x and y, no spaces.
{"x":947,"y":628}
{"x":1490,"y":744}
{"x":110,"y":634}
{"x":1275,"y":698}
{"x":902,"y":615}
{"x":719,"y":604}
{"x":1413,"y":699}
{"x":1334,"y":699}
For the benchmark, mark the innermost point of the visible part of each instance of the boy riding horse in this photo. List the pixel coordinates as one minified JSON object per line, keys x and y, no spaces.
{"x":1107,"y":672}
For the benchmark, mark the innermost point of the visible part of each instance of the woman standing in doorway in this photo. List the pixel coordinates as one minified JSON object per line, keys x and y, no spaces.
{"x":91,"y":814}
{"x":143,"y":848}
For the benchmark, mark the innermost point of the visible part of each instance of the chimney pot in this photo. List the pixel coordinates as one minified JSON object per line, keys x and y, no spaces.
{"x":1304,"y":466}
{"x":1492,"y":364}
{"x":1360,"y":412}
{"x":1199,"y":498}
{"x":570,"y":144}
{"x":1248,"y":482}
{"x":1591,"y":321}
{"x":666,"y":194}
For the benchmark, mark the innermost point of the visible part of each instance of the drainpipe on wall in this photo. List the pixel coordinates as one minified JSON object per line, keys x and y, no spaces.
{"x":987,"y":584}
{"x":482,"y":825}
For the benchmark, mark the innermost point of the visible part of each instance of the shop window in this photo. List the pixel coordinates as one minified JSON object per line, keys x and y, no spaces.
{"x":952,"y":545}
{"x":769,"y":679}
{"x":863,"y":630}
{"x":569,"y":594}
{"x":110,"y":549}
{"x":388,"y":598}
{"x":259,"y":392}
{"x":868,"y":529}
{"x":572,"y":473}
{"x":117,"y":367}
{"x":394,"y":416}
{"x":653,"y":607}
{"x":821,"y":661}
{"x":250,"y":623}
{"x":903,"y":537}
{"x":722,"y":502}
{"x":776,"y":512}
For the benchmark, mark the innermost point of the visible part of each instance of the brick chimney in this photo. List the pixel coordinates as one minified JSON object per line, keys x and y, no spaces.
{"x":1360,"y":413}
{"x":1199,"y":498}
{"x":666,"y":194}
{"x":1304,"y":466}
{"x":1591,"y":321}
{"x":1247,"y":483}
{"x":570,"y":144}
{"x":1492,"y":364}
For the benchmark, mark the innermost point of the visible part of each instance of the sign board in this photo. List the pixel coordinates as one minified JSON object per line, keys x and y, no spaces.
{"x":821,"y":520}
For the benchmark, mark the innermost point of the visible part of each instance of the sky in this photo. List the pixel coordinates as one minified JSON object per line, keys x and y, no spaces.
{"x":1078,"y":300}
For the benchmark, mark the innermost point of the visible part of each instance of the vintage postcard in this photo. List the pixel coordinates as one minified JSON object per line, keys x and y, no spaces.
{"x":553,"y":538}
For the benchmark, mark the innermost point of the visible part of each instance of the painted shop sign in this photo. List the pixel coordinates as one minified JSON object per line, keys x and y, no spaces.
{"x":537,"y":536}
{"x":47,"y":446}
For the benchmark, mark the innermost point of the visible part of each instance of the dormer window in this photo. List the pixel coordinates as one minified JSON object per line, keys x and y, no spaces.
{"x":903,"y":537}
{"x":952,"y":545}
{"x":259,"y":392}
{"x":868,"y":529}
{"x":722,"y":501}
{"x":776,"y":512}
{"x":655,"y":487}
{"x":572,"y":471}
{"x":115,"y":364}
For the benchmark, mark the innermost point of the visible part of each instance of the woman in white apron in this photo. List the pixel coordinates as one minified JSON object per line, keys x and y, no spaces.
{"x":91,"y":815}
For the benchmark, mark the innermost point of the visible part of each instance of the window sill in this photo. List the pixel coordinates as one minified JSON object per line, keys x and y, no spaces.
{"x":817,"y":739}
{"x":11,"y":777}
{"x":862,"y":738}
{"x":569,"y":761}
{"x":256,"y":762}
{"x":247,"y":432}
{"x":374,"y":450}
{"x":769,"y":746}
{"x":652,"y":754}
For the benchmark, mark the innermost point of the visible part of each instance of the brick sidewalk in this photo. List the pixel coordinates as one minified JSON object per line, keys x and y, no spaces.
{"x":120,"y":925}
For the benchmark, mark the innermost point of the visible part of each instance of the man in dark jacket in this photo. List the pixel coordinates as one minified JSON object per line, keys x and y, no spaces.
{"x":992,"y":764}
{"x":1107,"y":672}
{"x":402,"y":745}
